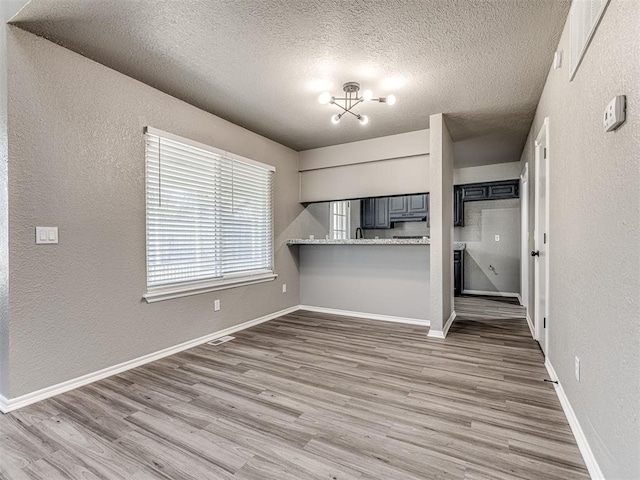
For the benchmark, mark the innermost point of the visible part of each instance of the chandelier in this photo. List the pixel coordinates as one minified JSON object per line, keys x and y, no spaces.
{"x":351,"y":99}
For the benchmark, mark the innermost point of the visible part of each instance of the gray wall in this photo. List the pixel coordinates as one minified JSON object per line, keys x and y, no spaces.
{"x":487,"y":173}
{"x":379,"y":279}
{"x":482,"y":222}
{"x":395,"y":176}
{"x":77,"y":161}
{"x":8,"y":8}
{"x":441,"y":221}
{"x":594,"y":309}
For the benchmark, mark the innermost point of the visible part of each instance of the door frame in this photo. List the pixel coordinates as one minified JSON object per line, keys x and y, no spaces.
{"x":542,"y":141}
{"x":524,"y":239}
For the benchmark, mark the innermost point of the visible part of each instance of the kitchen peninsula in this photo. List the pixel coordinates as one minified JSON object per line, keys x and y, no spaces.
{"x":365,"y":277}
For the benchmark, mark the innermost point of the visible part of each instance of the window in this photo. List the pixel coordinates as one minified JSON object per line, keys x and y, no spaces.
{"x":209,"y":218}
{"x":339,"y":220}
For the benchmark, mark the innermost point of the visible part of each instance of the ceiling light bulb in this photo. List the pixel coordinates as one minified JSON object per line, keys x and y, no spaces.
{"x":324,"y":98}
{"x":364,"y":119}
{"x":367,"y":95}
{"x":391,"y":100}
{"x":335,"y":119}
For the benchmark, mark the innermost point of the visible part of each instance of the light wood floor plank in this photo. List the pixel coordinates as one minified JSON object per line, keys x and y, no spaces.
{"x":314,"y":396}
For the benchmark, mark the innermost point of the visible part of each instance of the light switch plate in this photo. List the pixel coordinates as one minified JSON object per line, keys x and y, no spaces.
{"x":46,"y":235}
{"x":216,"y":305}
{"x":614,"y":114}
{"x":284,"y":288}
{"x":577,"y":368}
{"x":497,"y":238}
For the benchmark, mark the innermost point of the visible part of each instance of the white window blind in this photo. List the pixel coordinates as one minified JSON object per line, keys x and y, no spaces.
{"x":584,"y":17}
{"x":339,"y":221}
{"x":209,"y":215}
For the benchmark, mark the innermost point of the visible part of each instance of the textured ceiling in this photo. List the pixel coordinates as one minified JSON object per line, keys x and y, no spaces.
{"x":262,"y":63}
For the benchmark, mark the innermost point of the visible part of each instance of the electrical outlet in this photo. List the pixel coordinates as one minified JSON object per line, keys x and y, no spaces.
{"x":216,"y":305}
{"x":284,"y":288}
{"x":497,"y":238}
{"x":614,"y":113}
{"x":577,"y":365}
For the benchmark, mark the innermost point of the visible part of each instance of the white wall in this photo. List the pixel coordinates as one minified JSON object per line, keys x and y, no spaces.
{"x":594,"y":309}
{"x":77,"y":161}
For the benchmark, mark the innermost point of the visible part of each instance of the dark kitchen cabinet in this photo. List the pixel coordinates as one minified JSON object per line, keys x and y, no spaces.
{"x":474,"y":192}
{"x":458,"y":272}
{"x":409,"y":208}
{"x":481,"y":191}
{"x":398,"y":206}
{"x":374,"y":213}
{"x":503,"y":190}
{"x":458,"y":207}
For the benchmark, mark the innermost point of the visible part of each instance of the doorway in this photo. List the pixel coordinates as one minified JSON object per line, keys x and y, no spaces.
{"x":540,"y":253}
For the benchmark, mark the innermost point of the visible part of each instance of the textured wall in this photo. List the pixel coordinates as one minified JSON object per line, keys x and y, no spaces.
{"x":378,"y":279}
{"x":77,"y":161}
{"x":482,"y":222}
{"x":594,"y":309}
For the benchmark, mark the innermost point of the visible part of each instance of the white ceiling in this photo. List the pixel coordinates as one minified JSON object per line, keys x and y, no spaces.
{"x":262,"y":63}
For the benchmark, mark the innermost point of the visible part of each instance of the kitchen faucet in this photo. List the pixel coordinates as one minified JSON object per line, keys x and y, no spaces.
{"x":359,"y":233}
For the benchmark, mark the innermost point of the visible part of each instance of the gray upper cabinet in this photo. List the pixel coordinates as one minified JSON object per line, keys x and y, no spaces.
{"x":368,"y":213}
{"x":418,"y":204}
{"x":383,"y":211}
{"x":409,"y":208}
{"x":398,"y":206}
{"x":374,"y":213}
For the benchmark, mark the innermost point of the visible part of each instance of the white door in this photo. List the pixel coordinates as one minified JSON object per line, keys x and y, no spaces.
{"x":541,"y":237}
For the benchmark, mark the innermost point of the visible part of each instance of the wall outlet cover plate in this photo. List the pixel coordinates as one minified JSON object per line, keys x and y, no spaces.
{"x":615,"y":113}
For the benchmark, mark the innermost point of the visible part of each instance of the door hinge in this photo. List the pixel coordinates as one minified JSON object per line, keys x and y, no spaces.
{"x":544,"y":322}
{"x":544,"y":236}
{"x":545,"y":153}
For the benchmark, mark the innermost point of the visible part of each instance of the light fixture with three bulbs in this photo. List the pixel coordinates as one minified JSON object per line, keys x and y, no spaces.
{"x":351,"y":99}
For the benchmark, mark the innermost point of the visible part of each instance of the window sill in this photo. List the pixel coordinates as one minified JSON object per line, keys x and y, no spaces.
{"x":159,"y":294}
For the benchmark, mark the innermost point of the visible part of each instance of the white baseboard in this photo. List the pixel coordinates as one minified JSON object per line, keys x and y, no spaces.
{"x":445,"y":329}
{"x":530,"y":325}
{"x":581,"y":440}
{"x":368,"y":316}
{"x":519,"y":299}
{"x":8,"y":405}
{"x":492,"y":294}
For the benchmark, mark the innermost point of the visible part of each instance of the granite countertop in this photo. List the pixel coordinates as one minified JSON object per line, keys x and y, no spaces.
{"x":369,"y":241}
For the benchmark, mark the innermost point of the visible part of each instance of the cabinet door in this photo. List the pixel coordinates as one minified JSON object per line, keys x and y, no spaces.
{"x":503,"y":191}
{"x":368,"y":213}
{"x":417,"y":204}
{"x":458,"y":208}
{"x":457,"y":273}
{"x":382,"y":219}
{"x":474,"y":192}
{"x":397,"y":206}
